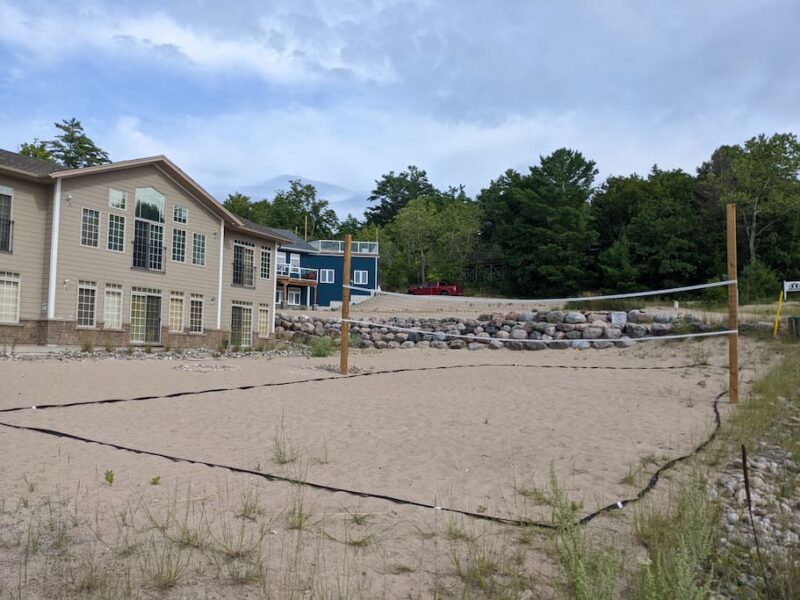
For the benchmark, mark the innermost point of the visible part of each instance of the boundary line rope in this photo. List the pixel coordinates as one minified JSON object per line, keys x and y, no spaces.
{"x":393,"y":499}
{"x":686,"y":288}
{"x":351,"y":376}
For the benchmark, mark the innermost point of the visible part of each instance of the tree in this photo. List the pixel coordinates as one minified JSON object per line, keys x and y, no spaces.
{"x":761,"y":177}
{"x":36,"y":149}
{"x":393,"y":192}
{"x":349,"y":225}
{"x":239,"y":204}
{"x":72,"y":149}
{"x":539,"y":223}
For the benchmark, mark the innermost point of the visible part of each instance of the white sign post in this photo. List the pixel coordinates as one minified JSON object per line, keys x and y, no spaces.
{"x":791,"y":287}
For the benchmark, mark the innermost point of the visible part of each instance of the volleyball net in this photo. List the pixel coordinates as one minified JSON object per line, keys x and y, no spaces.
{"x":382,"y":317}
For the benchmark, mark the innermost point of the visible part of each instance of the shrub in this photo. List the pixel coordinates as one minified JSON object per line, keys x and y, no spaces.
{"x":758,"y":283}
{"x":321,"y":346}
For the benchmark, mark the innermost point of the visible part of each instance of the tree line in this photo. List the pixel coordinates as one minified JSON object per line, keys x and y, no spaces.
{"x":552,"y":229}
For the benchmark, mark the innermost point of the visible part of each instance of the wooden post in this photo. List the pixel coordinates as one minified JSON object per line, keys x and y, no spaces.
{"x":733,"y":308}
{"x":344,"y":346}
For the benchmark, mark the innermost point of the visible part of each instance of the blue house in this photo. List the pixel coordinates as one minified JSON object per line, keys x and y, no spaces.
{"x":310,"y":273}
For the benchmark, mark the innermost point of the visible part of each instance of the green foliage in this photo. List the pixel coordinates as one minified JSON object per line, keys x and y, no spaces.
{"x":321,"y":346}
{"x":72,"y":149}
{"x":758,"y":283}
{"x":109,"y":477}
{"x":393,"y":192}
{"x":289,"y":209}
{"x":540,"y":224}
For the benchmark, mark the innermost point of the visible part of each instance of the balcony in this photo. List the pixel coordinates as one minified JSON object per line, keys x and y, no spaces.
{"x":287,"y":271}
{"x":6,"y":235}
{"x":337,"y":246}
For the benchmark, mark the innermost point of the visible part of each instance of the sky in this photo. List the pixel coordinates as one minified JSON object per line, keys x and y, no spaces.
{"x":241,"y":94}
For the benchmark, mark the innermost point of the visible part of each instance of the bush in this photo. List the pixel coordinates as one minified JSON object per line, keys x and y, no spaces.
{"x":321,"y":346}
{"x":758,"y":283}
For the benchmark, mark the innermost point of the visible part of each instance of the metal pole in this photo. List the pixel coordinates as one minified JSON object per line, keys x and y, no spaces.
{"x":733,"y":308}
{"x":344,"y":346}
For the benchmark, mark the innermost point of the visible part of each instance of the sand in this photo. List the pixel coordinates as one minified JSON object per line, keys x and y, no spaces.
{"x":471,"y":437}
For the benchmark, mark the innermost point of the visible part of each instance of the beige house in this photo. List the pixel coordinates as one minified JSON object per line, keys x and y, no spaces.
{"x":133,"y":252}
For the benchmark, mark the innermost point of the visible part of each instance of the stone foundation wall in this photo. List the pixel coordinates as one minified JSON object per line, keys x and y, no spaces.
{"x":514,"y":331}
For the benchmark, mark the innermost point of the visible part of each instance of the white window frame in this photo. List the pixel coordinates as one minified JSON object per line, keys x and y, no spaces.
{"x":361,"y":277}
{"x":265,"y":251}
{"x":195,"y":237}
{"x":263,"y":309}
{"x":280,"y":258}
{"x":86,"y":285}
{"x":290,"y":292}
{"x":245,"y":330}
{"x":11,"y":279}
{"x":176,"y":208}
{"x":185,"y":238}
{"x":108,"y":232}
{"x":84,"y":210}
{"x":323,"y":275}
{"x":176,"y":296}
{"x":278,"y":296}
{"x":197,"y":298}
{"x":9,"y":191}
{"x":117,"y":206}
{"x":115,"y":289}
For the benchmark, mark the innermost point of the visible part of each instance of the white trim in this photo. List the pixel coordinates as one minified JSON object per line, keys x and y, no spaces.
{"x":51,"y":284}
{"x":221,"y":265}
{"x":357,"y":280}
{"x":274,"y":302}
{"x":124,"y":231}
{"x":86,"y":285}
{"x":322,"y":278}
{"x":99,"y":229}
{"x":10,"y":277}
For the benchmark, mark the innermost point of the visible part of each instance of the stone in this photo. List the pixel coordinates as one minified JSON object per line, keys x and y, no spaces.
{"x":476,"y":346}
{"x":732,"y":517}
{"x":634,"y":330}
{"x":519,"y":334}
{"x":581,"y":344}
{"x":573,"y":335}
{"x":554,"y":316}
{"x":515,"y":345}
{"x":392,"y":344}
{"x":457,"y":345}
{"x":612,"y":333}
{"x":624,"y":342}
{"x":639,"y":316}
{"x":439,"y":336}
{"x":502,"y":335}
{"x":660,"y":329}
{"x":602,"y":344}
{"x":439,"y":345}
{"x":528,"y":316}
{"x":558,"y":345}
{"x":535,"y":346}
{"x":664,"y":318}
{"x":592,"y":333}
{"x":574,"y":317}
{"x":495,"y":345}
{"x":400,"y":337}
{"x":366,"y":344}
{"x":407,"y":344}
{"x":380,"y":344}
{"x":423,"y":344}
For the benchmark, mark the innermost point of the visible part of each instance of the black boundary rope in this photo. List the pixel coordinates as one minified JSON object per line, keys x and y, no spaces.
{"x":393,"y":499}
{"x":350,"y":376}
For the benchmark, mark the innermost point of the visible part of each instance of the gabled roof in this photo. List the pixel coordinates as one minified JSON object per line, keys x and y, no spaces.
{"x":254,"y":228}
{"x":25,"y":165}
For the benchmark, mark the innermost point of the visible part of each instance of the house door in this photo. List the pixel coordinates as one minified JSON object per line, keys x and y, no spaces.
{"x":241,"y":326}
{"x":145,"y":318}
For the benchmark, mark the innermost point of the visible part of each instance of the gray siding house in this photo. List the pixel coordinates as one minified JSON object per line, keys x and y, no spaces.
{"x":133,"y":252}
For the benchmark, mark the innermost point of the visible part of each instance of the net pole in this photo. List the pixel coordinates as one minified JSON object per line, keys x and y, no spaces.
{"x":344,"y":342}
{"x":733,"y":307}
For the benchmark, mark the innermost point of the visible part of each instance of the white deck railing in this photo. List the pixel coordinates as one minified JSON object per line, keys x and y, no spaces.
{"x":338,"y":246}
{"x":287,"y":270}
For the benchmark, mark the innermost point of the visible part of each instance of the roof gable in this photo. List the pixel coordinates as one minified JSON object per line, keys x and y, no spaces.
{"x":25,"y":165}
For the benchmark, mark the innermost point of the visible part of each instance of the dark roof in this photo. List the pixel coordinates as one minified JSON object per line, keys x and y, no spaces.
{"x":282,"y":235}
{"x":296,"y":242}
{"x":34,"y":167}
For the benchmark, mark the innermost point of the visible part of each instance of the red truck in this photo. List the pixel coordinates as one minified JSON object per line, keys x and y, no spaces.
{"x":436,"y":288}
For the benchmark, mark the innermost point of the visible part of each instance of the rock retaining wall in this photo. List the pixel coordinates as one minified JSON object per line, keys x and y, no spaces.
{"x":514,"y":331}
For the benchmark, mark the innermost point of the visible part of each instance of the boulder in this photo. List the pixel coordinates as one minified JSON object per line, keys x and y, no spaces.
{"x":380,"y":344}
{"x":574,"y":317}
{"x":439,"y":345}
{"x":554,"y":316}
{"x":624,"y":342}
{"x":602,"y":344}
{"x":535,"y":346}
{"x":495,"y":345}
{"x":612,"y":333}
{"x":519,"y":334}
{"x":581,"y":344}
{"x":634,"y":330}
{"x":392,"y":344}
{"x":476,"y":346}
{"x":423,"y":344}
{"x":660,"y":328}
{"x":558,"y":345}
{"x":457,"y":345}
{"x":407,"y":344}
{"x":592,"y":333}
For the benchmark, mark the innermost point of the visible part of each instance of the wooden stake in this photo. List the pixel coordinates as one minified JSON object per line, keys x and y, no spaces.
{"x":733,"y":308}
{"x":344,"y":346}
{"x":777,"y":322}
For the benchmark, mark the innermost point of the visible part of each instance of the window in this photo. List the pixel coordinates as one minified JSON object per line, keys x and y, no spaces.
{"x":116,"y":233}
{"x":360,"y":277}
{"x":90,"y":227}
{"x":9,"y":297}
{"x":117,"y":199}
{"x":6,"y":224}
{"x":148,"y":233}
{"x":180,"y":214}
{"x":176,"y":312}
{"x":279,"y":296}
{"x":196,"y":313}
{"x":178,"y":245}
{"x":280,"y":258}
{"x":263,"y":320}
{"x":243,"y":268}
{"x":87,"y":296}
{"x":326,"y":276}
{"x":241,"y":324}
{"x":112,"y":307}
{"x":266,"y":262}
{"x":293,"y":297}
{"x":199,"y":249}
{"x":150,"y":204}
